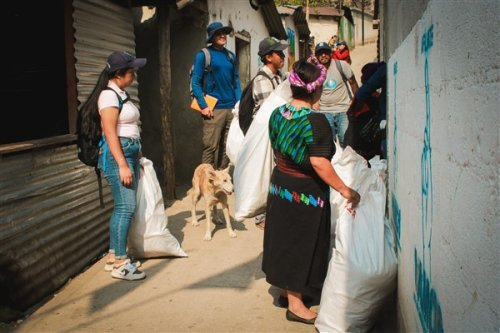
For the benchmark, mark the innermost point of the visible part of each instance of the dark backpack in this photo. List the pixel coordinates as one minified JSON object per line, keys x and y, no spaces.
{"x":89,"y":137}
{"x":363,"y":133}
{"x":247,"y":104}
{"x":89,"y":133}
{"x":206,"y":70}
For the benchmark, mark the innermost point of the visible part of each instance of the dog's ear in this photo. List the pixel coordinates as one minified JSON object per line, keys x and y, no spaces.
{"x":211,"y":175}
{"x":228,"y":167}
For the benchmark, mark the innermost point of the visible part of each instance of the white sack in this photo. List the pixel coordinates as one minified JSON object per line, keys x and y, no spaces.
{"x":353,"y":169}
{"x":149,"y":235}
{"x":363,"y":267}
{"x":252,"y":172}
{"x":235,"y":137}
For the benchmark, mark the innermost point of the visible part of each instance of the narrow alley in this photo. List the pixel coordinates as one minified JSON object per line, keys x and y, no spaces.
{"x":220,"y":287}
{"x":438,"y":121}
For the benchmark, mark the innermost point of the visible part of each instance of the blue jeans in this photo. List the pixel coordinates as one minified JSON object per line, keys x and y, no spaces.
{"x":124,"y":197}
{"x":338,"y":122}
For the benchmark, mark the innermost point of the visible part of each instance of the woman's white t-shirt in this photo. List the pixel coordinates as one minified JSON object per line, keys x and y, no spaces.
{"x":128,"y":125}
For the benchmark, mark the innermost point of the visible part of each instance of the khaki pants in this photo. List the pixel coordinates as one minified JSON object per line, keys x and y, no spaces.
{"x":214,"y":138}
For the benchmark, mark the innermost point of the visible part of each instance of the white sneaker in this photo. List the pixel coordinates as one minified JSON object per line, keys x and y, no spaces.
{"x":108,"y":267}
{"x":127,"y":271}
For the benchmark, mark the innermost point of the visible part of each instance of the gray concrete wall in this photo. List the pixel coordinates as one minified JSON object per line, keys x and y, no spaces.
{"x":398,"y":17}
{"x":444,"y":162}
{"x":370,"y":34}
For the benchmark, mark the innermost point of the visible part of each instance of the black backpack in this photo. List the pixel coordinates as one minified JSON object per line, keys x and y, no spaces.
{"x":363,"y":133}
{"x":247,"y":103}
{"x":89,"y":136}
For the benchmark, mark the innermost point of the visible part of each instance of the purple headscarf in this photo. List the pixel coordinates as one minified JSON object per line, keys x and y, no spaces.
{"x":296,"y":81}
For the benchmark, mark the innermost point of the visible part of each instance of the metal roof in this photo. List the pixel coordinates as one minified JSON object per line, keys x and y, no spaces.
{"x":299,"y":18}
{"x":272,"y":19}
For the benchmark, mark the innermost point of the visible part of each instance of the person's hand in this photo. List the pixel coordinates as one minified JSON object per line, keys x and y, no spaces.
{"x":125,"y":175}
{"x":352,"y":197}
{"x":206,"y":112}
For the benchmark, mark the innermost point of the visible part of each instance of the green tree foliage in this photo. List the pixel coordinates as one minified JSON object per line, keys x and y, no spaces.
{"x":312,"y":3}
{"x":368,"y":4}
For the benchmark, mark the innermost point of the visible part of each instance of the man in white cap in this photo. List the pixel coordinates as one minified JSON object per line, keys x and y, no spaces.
{"x":222,"y":82}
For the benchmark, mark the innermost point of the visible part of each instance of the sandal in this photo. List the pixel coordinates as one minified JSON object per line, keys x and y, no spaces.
{"x":261,"y":225}
{"x":108,"y":267}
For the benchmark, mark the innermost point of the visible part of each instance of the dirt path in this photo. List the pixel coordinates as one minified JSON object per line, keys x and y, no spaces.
{"x":218,"y":288}
{"x":362,"y":55}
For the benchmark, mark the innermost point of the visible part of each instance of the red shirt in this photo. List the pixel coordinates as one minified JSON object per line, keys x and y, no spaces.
{"x":342,"y":55}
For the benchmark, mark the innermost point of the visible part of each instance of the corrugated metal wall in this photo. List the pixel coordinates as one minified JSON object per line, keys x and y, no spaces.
{"x":51,"y":222}
{"x":101,"y":27}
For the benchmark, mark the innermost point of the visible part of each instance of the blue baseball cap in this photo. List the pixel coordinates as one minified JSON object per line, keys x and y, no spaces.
{"x":322,"y":46}
{"x":120,"y":60}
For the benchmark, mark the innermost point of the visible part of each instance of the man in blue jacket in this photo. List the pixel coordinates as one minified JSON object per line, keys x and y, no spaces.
{"x":222,"y":82}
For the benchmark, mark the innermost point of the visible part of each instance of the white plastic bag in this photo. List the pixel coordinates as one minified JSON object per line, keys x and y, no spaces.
{"x":149,"y":235}
{"x":363,"y":267}
{"x":235,"y":137}
{"x":252,"y":172}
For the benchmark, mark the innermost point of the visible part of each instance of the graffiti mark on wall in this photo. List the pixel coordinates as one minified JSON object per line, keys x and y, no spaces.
{"x":426,"y":157}
{"x":396,"y":212}
{"x":429,"y":309}
{"x":396,"y":216}
{"x":426,"y":300}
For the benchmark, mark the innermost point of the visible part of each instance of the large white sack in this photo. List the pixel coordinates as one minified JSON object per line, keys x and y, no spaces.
{"x":353,"y":169}
{"x":252,"y":172}
{"x":235,"y":137}
{"x":149,"y":235}
{"x":363,"y":267}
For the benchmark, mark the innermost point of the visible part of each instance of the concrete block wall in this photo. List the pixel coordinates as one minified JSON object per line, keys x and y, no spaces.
{"x":443,"y":154}
{"x":323,"y":29}
{"x":370,"y":34}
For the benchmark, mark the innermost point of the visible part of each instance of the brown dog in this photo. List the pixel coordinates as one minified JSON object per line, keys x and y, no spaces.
{"x":215,"y":186}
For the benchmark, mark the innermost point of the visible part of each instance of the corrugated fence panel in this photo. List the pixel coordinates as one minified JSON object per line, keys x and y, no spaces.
{"x":101,"y":27}
{"x":51,"y":222}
